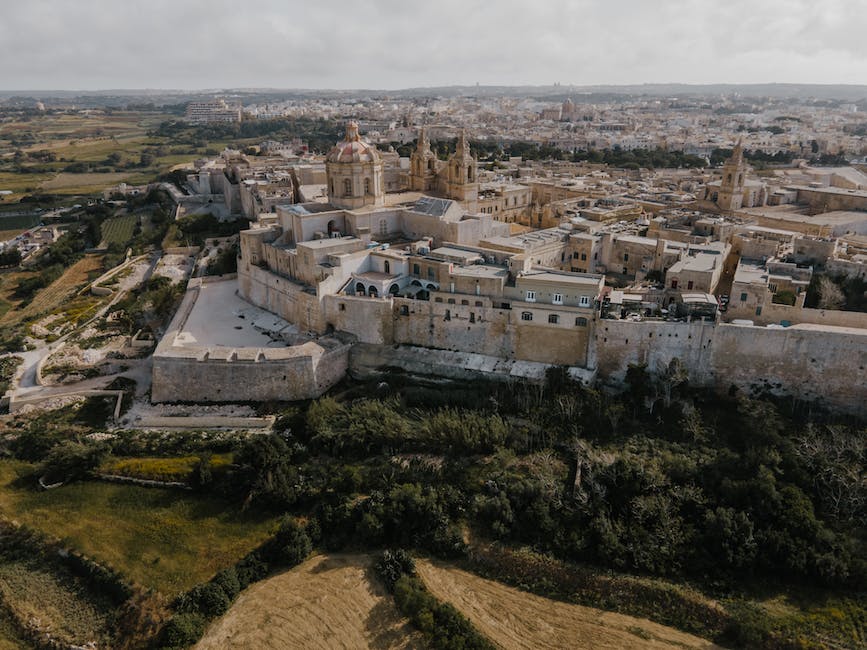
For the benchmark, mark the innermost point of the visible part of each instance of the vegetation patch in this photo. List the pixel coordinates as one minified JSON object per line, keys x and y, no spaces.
{"x":161,"y":539}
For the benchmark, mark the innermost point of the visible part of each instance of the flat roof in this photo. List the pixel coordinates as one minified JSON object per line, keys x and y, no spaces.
{"x":561,"y":278}
{"x":480,"y":270}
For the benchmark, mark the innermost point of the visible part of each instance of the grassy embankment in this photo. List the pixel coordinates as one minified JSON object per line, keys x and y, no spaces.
{"x":163,"y":539}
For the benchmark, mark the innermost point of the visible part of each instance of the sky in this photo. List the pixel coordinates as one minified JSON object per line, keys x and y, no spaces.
{"x":391,"y":44}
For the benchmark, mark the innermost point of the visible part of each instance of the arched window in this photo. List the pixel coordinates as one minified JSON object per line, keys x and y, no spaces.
{"x":359,"y":288}
{"x":386,"y":266}
{"x":372,"y":292}
{"x":470,"y":173}
{"x":367,"y":186}
{"x":526,"y":315}
{"x":347,"y":187}
{"x":394,"y":290}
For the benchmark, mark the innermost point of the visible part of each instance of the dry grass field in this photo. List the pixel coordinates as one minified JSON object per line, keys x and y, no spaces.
{"x":57,"y":292}
{"x":66,"y":183}
{"x":517,"y":620}
{"x":328,"y":602}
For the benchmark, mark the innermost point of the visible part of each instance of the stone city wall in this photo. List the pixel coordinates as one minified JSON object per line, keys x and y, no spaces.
{"x":821,"y":363}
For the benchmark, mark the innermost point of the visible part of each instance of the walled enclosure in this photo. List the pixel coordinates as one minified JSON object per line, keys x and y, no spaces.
{"x":224,"y":374}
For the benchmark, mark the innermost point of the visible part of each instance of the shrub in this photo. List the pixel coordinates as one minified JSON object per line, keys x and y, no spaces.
{"x":183,"y":630}
{"x":250,"y":569}
{"x":208,"y":600}
{"x":392,"y":565}
{"x":227,"y":580}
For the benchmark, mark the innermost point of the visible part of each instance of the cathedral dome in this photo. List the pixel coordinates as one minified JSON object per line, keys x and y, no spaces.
{"x":352,"y":148}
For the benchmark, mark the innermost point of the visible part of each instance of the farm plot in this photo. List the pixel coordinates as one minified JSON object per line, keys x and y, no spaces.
{"x":327,"y":602}
{"x":118,"y":230}
{"x":518,"y":620}
{"x":57,"y":600}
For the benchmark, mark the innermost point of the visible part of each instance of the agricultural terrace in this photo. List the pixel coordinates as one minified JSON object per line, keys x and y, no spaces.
{"x":58,"y":292}
{"x":118,"y":230}
{"x":327,"y":602}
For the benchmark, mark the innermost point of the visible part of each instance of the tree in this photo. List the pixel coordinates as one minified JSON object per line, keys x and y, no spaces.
{"x":830,"y":294}
{"x":673,"y":376}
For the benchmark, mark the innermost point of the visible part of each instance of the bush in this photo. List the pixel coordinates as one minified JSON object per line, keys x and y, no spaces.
{"x":209,"y":600}
{"x":183,"y":630}
{"x":291,"y":545}
{"x":392,"y":565}
{"x":227,"y":580}
{"x":250,"y":569}
{"x":443,"y":625}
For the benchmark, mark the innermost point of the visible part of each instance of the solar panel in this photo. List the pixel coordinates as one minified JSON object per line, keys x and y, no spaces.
{"x":432,"y":206}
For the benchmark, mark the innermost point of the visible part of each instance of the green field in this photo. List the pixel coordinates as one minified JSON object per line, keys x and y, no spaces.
{"x":18,"y":222}
{"x":118,"y":230}
{"x":168,"y":540}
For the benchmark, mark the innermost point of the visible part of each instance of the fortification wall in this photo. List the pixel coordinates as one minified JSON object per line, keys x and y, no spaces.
{"x":774,"y":313}
{"x":489,"y":331}
{"x":223,"y":374}
{"x":289,"y":300}
{"x":825,"y":364}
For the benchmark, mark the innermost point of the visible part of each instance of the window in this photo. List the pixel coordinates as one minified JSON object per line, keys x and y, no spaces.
{"x":367,"y":186}
{"x":574,"y":256}
{"x":472,"y":317}
{"x":448,"y":314}
{"x":386,"y":267}
{"x":759,"y":310}
{"x":430,"y":273}
{"x":625,"y":257}
{"x":743,"y":297}
{"x":558,"y":299}
{"x":416,"y":270}
{"x":689,"y":285}
{"x":465,"y":302}
{"x":531,"y":296}
{"x":581,"y":321}
{"x":674,"y":284}
{"x":451,"y":301}
{"x":526,"y":315}
{"x":584,"y":301}
{"x":583,"y":257}
{"x":478,"y":303}
{"x":404,"y":310}
{"x":553,"y":319}
{"x":342,"y":307}
{"x":347,"y":187}
{"x":505,"y":305}
{"x":383,"y":227}
{"x":438,"y":299}
{"x":772,"y":288}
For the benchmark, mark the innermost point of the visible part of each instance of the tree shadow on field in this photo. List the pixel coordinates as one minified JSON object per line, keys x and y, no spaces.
{"x":385,"y":627}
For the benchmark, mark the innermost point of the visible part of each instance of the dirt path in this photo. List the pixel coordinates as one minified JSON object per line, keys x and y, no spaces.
{"x":515,"y":619}
{"x":327,"y":602}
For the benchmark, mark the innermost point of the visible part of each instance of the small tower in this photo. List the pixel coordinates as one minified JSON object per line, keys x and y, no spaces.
{"x":731,"y":191}
{"x":353,"y":171}
{"x":463,"y":183}
{"x":422,"y":165}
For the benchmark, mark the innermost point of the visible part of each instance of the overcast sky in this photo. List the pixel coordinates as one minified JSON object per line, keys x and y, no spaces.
{"x":192,"y":44}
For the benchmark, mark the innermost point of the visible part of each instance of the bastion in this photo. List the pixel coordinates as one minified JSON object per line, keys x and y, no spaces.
{"x":219,"y":348}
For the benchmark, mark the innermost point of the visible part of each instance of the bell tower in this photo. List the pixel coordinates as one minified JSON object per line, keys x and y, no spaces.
{"x":731,"y":191}
{"x":463,"y":183}
{"x":422,"y":165}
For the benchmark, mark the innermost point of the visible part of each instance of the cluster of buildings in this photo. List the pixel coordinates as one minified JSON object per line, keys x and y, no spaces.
{"x":519,"y":268}
{"x":799,"y":128}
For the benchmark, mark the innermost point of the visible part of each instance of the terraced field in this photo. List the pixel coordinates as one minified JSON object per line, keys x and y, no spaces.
{"x":330,"y":601}
{"x":118,"y":230}
{"x":57,"y":292}
{"x":518,"y":620}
